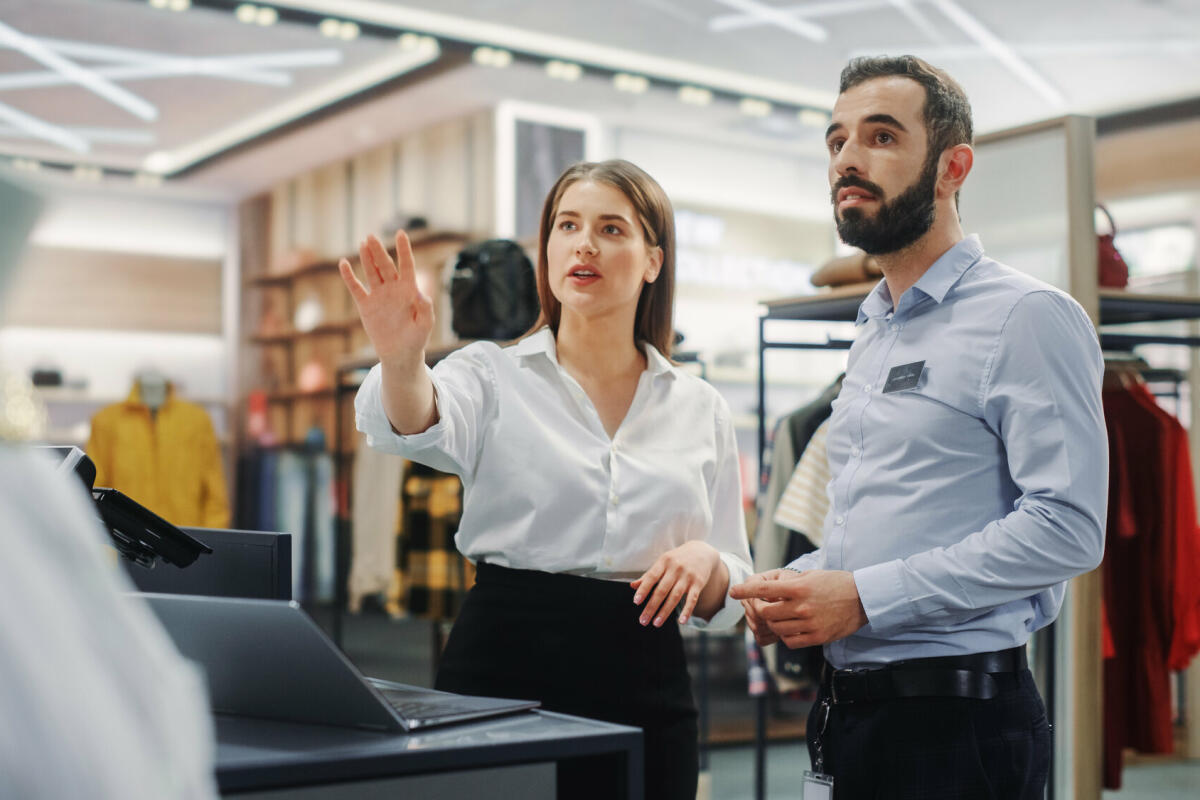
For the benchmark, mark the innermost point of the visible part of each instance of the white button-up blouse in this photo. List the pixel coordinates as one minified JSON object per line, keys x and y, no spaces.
{"x":546,"y":488}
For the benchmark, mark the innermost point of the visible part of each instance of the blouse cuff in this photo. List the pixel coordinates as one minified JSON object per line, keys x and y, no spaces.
{"x":371,"y":418}
{"x":732,"y":610}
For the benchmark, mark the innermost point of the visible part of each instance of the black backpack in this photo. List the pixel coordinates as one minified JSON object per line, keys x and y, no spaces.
{"x":493,"y":293}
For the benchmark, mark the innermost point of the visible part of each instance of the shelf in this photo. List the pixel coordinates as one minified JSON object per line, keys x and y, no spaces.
{"x":1119,"y":307}
{"x":837,"y":305}
{"x":58,"y":395}
{"x":329,"y":266}
{"x":287,"y":337}
{"x":296,"y":394}
{"x":432,"y":356}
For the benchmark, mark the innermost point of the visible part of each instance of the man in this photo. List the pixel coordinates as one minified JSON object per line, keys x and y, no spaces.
{"x":969,"y":473}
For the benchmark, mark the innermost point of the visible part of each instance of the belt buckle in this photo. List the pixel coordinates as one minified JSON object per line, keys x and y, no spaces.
{"x":833,"y":683}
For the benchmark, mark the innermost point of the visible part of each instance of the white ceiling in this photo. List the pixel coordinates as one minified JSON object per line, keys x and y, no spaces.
{"x":62,"y":103}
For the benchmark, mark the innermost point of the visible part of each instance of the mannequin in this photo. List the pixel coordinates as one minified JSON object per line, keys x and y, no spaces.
{"x":163,"y":452}
{"x":152,"y":388}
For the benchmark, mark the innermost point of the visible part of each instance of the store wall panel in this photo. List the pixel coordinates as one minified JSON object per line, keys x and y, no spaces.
{"x":302,"y":202}
{"x":414,"y":185}
{"x":73,"y":288}
{"x":481,"y":178}
{"x":281,"y":224}
{"x":449,"y":195}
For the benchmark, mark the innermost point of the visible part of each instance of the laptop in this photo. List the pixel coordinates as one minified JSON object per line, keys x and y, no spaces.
{"x":267,"y":658}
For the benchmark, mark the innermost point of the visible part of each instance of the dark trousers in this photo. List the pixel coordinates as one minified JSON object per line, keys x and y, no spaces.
{"x":575,"y":644}
{"x":938,"y":748}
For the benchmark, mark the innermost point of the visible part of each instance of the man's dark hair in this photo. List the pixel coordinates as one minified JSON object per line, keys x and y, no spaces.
{"x":947,"y":110}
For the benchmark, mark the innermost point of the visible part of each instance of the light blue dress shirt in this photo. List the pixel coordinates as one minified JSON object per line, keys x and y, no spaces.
{"x":964,"y":503}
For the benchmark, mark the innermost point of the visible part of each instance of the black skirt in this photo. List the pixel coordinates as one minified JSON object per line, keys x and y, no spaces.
{"x":576,"y":645}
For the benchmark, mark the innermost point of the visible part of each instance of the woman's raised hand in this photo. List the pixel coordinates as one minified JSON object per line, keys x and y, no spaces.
{"x":396,"y":315}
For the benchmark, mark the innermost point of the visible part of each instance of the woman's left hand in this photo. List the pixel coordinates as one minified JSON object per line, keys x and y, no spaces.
{"x":679,"y":574}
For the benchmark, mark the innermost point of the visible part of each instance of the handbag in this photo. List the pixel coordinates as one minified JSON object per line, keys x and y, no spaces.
{"x":1114,"y":272}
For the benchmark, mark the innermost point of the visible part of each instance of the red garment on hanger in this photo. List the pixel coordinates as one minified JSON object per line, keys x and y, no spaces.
{"x":1151,"y":577}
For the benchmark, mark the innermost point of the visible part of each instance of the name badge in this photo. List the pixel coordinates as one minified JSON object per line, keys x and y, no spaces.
{"x":817,"y":786}
{"x":904,"y":377}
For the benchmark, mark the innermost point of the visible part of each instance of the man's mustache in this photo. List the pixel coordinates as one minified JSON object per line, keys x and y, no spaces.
{"x":853,"y":180}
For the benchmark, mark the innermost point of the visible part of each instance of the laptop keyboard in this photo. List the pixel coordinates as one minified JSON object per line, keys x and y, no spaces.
{"x":419,"y":705}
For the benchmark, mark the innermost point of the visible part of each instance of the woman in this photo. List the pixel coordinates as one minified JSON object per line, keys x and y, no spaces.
{"x":587,"y":460}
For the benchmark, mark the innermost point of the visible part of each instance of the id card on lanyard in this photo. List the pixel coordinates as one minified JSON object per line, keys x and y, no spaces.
{"x":817,"y":786}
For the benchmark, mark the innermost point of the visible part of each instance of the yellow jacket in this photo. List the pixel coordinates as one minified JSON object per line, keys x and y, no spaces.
{"x":170,"y":463}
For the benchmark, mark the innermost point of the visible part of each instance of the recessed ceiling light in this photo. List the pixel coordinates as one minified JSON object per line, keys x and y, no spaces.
{"x":266,"y":16}
{"x":635,"y":84}
{"x":246,"y":13}
{"x":753,"y":107}
{"x":812,"y":117}
{"x":695,"y":95}
{"x":157,"y":162}
{"x":563,"y":70}
{"x":491,"y":57}
{"x":330,"y":27}
{"x":87,"y":172}
{"x":348,"y":31}
{"x":159,"y":3}
{"x":26,"y":164}
{"x":408,"y":41}
{"x":180,"y":5}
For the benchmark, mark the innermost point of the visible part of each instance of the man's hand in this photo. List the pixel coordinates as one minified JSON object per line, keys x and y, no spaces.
{"x":802,"y":608}
{"x":758,"y":627}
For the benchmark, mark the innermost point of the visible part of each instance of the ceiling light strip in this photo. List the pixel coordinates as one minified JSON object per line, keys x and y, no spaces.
{"x":378,"y":71}
{"x":161,"y":69}
{"x":919,"y":20}
{"x":1002,"y":52}
{"x":732,"y":22}
{"x":44,"y":130}
{"x":968,"y":52}
{"x":780,"y":19}
{"x":563,"y":48}
{"x":84,"y":77}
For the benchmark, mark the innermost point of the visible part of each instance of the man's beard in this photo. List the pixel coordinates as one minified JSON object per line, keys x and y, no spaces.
{"x":896,"y":224}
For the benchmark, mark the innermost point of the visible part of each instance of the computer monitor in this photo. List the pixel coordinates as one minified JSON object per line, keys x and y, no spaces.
{"x":253,"y":564}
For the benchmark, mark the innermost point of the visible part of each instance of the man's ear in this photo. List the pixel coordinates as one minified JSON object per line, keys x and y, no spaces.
{"x":956,"y":163}
{"x":656,"y":260}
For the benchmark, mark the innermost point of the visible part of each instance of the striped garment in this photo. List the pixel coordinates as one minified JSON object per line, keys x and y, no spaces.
{"x":804,"y":502}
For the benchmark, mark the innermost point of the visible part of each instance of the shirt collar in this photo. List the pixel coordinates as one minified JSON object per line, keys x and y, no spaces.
{"x":541,"y":343}
{"x":935,"y":284}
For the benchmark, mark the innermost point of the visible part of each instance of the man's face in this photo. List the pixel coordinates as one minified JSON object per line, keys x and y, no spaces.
{"x":882,"y":179}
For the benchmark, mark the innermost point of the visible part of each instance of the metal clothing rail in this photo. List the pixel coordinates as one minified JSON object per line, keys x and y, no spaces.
{"x":840,"y":305}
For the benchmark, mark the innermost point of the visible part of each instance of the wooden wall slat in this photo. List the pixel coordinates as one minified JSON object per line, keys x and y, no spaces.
{"x":67,"y":288}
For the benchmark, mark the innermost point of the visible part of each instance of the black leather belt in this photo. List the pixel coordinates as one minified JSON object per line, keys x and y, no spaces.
{"x":944,"y":676}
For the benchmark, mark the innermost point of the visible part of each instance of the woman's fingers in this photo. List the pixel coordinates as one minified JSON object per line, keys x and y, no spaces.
{"x":381,"y":259}
{"x":405,"y":264}
{"x":646,"y":583}
{"x":370,"y":268}
{"x":664,"y":587}
{"x":673,"y":599}
{"x":693,"y":597}
{"x":357,"y":290}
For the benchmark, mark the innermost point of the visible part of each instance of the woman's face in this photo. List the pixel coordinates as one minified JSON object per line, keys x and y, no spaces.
{"x":597,"y":255}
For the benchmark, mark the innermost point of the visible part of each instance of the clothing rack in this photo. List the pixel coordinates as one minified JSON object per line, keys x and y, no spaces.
{"x":347,"y":379}
{"x":839,"y":305}
{"x":1117,"y":307}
